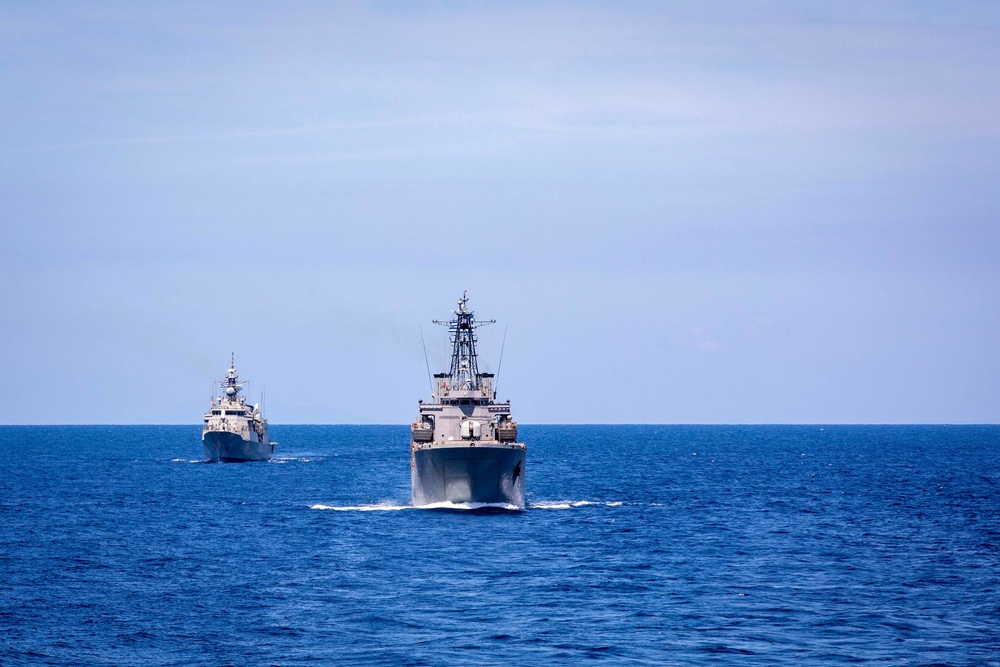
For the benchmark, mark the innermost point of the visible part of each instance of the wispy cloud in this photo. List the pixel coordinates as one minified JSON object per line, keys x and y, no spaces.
{"x":696,"y":338}
{"x":674,"y":76}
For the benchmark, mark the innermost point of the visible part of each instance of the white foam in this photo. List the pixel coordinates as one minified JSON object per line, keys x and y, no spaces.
{"x":570,"y":504}
{"x":545,"y":505}
{"x":467,"y":506}
{"x":384,"y":506}
{"x":391,"y":506}
{"x":187,"y":460}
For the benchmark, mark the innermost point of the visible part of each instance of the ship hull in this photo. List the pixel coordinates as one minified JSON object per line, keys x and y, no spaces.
{"x":487,"y":474}
{"x":232,"y":448}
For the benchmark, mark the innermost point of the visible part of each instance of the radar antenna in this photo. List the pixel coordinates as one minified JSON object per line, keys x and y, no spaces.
{"x":231,"y":382}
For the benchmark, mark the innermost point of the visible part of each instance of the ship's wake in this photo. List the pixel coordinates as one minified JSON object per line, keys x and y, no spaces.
{"x":471,"y":507}
{"x":391,"y":506}
{"x":384,"y":506}
{"x":571,"y":504}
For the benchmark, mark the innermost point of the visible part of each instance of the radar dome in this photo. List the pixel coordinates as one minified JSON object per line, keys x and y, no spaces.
{"x":230,"y":391}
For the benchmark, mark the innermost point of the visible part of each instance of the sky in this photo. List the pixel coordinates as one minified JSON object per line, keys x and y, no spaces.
{"x":703,"y":212}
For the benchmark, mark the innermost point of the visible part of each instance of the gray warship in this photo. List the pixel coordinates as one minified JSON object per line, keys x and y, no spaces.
{"x":234,"y":430}
{"x":464,"y":446}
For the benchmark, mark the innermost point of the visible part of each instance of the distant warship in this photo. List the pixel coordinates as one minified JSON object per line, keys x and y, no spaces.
{"x":235,"y":431}
{"x":464,"y":447}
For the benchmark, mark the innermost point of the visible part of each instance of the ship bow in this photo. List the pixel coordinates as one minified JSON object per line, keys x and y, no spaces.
{"x":490,"y":474}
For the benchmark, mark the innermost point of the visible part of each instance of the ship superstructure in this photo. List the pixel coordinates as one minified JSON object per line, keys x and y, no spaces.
{"x":464,"y":445}
{"x":235,"y":430}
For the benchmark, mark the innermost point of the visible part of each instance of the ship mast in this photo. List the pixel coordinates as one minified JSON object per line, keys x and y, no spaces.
{"x":462,"y":332}
{"x":231,"y":383}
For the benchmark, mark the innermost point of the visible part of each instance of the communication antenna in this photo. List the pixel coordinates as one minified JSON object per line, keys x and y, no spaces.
{"x":496,"y":383}
{"x":426,"y":363}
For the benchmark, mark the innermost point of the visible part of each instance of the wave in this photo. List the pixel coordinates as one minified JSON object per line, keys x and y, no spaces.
{"x":276,"y":460}
{"x":570,"y":504}
{"x":384,"y":506}
{"x":468,"y":506}
{"x":391,"y":506}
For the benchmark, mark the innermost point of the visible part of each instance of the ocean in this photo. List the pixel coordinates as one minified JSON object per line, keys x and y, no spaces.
{"x":640,"y":545}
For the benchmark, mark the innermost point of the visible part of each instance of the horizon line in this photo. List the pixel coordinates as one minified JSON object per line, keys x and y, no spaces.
{"x":824,"y":424}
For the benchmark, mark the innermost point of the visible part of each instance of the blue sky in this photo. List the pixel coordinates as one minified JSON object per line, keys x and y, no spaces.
{"x":682,"y":212}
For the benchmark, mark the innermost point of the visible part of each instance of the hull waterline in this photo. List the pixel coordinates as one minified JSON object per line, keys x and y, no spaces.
{"x":232,"y":448}
{"x":480,"y":474}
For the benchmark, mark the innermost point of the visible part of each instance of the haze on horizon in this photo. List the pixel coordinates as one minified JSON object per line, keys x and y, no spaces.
{"x":719,"y":212}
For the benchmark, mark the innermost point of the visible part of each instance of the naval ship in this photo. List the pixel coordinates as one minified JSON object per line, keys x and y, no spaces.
{"x":235,"y":431}
{"x":464,"y":446}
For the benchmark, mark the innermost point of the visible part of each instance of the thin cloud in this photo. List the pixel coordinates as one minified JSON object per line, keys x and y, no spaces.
{"x":697,"y":339}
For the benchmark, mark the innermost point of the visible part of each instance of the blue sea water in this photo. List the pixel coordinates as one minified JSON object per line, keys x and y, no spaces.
{"x":640,"y":545}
